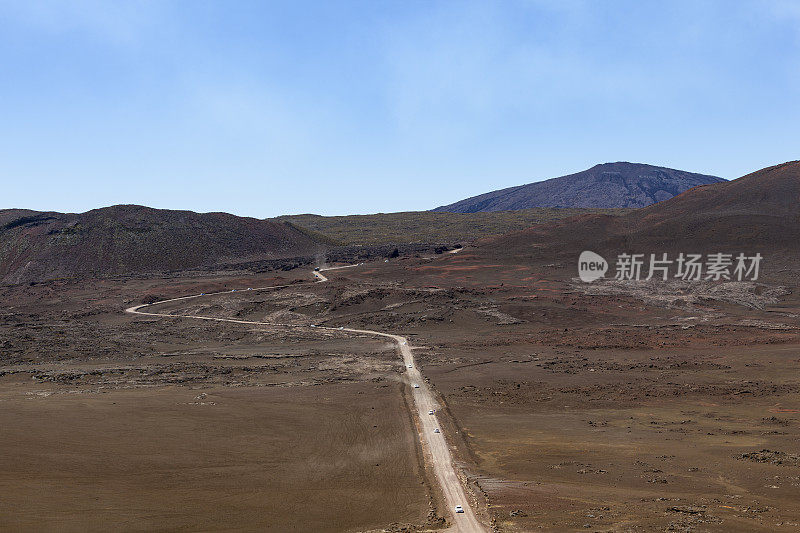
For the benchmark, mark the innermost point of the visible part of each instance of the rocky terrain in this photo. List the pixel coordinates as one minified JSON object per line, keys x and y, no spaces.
{"x":615,"y":405}
{"x":757,"y":213}
{"x":567,"y":407}
{"x":126,"y":239}
{"x":134,"y":240}
{"x":609,"y":185}
{"x":161,"y":424}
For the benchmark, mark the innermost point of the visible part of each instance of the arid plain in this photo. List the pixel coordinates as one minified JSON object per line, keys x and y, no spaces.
{"x":567,"y":410}
{"x":610,"y":406}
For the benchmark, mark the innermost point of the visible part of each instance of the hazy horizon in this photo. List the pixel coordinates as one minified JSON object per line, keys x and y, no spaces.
{"x":266,"y":109}
{"x":308,"y":213}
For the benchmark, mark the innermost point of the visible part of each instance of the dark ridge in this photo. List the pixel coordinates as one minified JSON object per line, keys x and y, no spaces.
{"x":757,"y":213}
{"x":130,"y":239}
{"x":610,"y":185}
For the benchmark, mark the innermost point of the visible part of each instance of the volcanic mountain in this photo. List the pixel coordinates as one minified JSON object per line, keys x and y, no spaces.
{"x":759,"y":212}
{"x":603,"y":186}
{"x":127,"y":239}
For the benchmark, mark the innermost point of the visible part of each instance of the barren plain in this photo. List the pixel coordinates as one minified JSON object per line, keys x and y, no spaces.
{"x":116,"y":422}
{"x":566,"y":409}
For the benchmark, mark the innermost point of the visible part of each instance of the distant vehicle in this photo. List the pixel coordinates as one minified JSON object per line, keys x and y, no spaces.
{"x":340,"y":327}
{"x":202,"y":294}
{"x":416,"y":386}
{"x":233,"y":290}
{"x":410,"y":366}
{"x":249,"y":288}
{"x":313,"y":325}
{"x":316,"y":269}
{"x":431,"y":412}
{"x":459,"y":509}
{"x":436,"y":430}
{"x":385,"y":260}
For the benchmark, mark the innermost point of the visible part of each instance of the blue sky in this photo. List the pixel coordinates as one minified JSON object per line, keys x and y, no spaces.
{"x":334,"y":107}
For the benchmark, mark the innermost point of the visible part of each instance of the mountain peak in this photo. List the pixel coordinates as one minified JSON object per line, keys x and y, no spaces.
{"x":755,"y":213}
{"x":606,"y":185}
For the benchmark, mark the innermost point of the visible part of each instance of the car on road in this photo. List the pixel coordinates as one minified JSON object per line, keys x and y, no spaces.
{"x":431,"y":412}
{"x":410,"y":366}
{"x":416,"y":386}
{"x":436,"y":430}
{"x":316,"y":269}
{"x":459,"y":509}
{"x":340,"y":327}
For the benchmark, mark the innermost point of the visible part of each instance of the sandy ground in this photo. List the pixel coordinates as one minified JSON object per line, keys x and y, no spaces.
{"x":175,"y":458}
{"x":435,"y":448}
{"x":164,"y":425}
{"x":609,"y":410}
{"x":563,"y":446}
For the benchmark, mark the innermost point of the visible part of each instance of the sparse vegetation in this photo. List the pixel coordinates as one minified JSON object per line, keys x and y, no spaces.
{"x":430,"y":227}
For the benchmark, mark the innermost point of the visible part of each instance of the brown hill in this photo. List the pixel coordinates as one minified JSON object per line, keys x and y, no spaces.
{"x":759,"y":212}
{"x":128,"y":239}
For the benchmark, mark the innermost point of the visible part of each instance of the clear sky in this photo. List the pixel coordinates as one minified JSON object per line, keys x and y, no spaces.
{"x":335,"y":107}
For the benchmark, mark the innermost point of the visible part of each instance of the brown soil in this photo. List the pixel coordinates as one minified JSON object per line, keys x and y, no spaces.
{"x":121,"y":423}
{"x":668,"y":408}
{"x":755,"y":213}
{"x":568,"y":409}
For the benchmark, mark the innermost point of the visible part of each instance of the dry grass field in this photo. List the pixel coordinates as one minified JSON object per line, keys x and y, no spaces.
{"x":430,"y":227}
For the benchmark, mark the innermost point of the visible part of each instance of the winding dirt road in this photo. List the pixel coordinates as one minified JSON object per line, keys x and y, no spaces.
{"x":434,"y":444}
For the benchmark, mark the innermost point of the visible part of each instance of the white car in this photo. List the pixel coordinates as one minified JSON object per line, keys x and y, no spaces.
{"x":313,"y":325}
{"x":340,"y":327}
{"x":431,"y":412}
{"x":410,"y":366}
{"x":459,"y":509}
{"x":436,"y":430}
{"x":416,"y":386}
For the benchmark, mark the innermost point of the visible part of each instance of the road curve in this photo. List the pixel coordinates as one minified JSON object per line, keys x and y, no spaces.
{"x":434,"y":444}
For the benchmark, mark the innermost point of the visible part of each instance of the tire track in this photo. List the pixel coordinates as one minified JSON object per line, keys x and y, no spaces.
{"x":433,"y":441}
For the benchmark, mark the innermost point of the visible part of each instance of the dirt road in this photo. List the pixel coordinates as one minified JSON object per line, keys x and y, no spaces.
{"x":435,"y":445}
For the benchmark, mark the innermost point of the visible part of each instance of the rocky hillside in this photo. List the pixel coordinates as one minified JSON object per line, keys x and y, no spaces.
{"x":128,"y":239}
{"x":608,"y":185}
{"x":757,"y":213}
